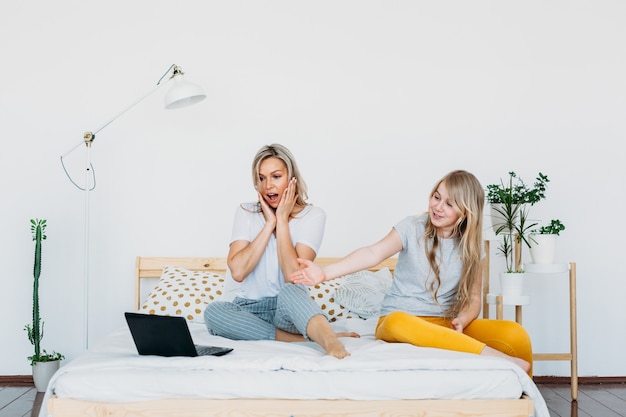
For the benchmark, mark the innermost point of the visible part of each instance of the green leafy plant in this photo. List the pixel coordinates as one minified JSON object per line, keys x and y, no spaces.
{"x":35,"y":329}
{"x":511,"y":201}
{"x":554,"y":228}
{"x":516,"y":191}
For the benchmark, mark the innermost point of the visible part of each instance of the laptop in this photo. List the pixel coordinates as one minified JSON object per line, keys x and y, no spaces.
{"x":166,"y":336}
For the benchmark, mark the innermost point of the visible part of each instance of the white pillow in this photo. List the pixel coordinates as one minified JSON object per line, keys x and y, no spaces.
{"x":363,"y":292}
{"x":182,"y":292}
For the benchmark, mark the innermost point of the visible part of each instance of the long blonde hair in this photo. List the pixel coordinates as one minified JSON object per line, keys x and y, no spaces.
{"x":468,"y":198}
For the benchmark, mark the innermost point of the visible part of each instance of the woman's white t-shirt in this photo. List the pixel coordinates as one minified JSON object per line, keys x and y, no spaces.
{"x":266,"y":279}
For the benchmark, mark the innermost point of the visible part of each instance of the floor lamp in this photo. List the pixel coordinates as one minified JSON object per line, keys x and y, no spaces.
{"x":182,"y":93}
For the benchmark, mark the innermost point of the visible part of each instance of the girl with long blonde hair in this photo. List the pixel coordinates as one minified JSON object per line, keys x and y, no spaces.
{"x":435,"y":297}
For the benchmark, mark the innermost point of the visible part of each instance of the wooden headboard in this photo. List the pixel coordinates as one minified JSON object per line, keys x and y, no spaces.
{"x":151,"y":267}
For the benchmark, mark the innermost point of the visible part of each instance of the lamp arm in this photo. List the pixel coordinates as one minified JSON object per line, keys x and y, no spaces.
{"x":90,"y":136}
{"x":114,"y":118}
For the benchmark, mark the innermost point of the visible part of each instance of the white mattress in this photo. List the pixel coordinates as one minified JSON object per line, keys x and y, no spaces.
{"x":113,"y":372}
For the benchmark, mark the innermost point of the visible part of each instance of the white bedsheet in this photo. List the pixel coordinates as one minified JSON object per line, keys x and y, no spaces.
{"x":113,"y":372}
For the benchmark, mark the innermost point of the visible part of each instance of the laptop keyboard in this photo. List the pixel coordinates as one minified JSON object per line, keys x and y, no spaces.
{"x":212,"y":350}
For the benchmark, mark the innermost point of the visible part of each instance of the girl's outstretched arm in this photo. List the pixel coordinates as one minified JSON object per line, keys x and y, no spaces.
{"x":358,"y":260}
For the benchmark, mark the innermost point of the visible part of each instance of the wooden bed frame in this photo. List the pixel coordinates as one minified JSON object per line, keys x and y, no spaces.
{"x":151,"y":267}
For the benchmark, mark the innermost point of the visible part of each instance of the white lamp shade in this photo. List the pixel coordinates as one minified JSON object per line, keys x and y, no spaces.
{"x":183,"y":93}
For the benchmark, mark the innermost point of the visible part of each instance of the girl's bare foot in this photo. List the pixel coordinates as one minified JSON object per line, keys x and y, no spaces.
{"x":487,"y":351}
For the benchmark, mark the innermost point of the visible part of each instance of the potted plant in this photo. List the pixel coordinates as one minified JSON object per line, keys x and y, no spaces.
{"x":543,"y":242}
{"x":44,"y":364}
{"x":505,"y":196}
{"x":510,"y":202}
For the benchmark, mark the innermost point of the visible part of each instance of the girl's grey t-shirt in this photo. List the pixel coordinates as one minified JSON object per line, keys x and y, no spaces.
{"x":410,"y":290}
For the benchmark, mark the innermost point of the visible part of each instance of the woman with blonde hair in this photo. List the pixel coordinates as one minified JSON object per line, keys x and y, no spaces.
{"x":268,"y":237}
{"x":435,"y":297}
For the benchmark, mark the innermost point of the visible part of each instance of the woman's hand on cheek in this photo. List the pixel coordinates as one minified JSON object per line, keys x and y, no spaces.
{"x":287,"y":201}
{"x":268,"y":212}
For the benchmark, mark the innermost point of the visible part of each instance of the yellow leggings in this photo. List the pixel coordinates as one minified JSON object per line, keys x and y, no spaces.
{"x":503,"y":335}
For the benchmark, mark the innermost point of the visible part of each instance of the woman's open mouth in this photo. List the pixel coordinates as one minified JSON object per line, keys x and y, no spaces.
{"x":272,"y":198}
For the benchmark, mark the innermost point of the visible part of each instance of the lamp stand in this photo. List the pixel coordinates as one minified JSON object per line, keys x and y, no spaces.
{"x":88,"y":186}
{"x":181,"y":95}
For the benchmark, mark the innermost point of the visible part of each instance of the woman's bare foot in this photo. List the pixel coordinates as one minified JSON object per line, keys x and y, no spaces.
{"x":487,"y":351}
{"x":319,"y":331}
{"x":335,"y":348}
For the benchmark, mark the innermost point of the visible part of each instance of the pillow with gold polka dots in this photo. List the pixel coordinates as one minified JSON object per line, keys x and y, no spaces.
{"x":324,"y":295}
{"x":182,"y":292}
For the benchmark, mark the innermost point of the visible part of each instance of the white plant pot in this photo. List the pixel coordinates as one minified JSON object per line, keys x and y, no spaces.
{"x":43,"y":372}
{"x":542,"y":248}
{"x":512,"y":284}
{"x":497,"y":219}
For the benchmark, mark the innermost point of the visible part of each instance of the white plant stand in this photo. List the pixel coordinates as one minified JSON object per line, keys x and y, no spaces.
{"x":520,"y":301}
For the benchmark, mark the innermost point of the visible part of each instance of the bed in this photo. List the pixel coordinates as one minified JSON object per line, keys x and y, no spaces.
{"x":268,"y":378}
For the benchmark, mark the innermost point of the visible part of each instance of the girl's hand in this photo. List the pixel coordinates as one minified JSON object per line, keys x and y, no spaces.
{"x":457,"y":325}
{"x":311,"y":274}
{"x":287,"y":201}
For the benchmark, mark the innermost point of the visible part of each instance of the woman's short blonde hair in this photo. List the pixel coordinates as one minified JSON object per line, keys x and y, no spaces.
{"x":276,"y":150}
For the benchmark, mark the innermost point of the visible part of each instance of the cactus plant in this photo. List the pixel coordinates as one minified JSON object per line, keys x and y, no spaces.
{"x":35,"y":329}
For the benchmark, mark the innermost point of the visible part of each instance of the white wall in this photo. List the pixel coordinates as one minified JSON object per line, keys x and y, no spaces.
{"x":377,"y":100}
